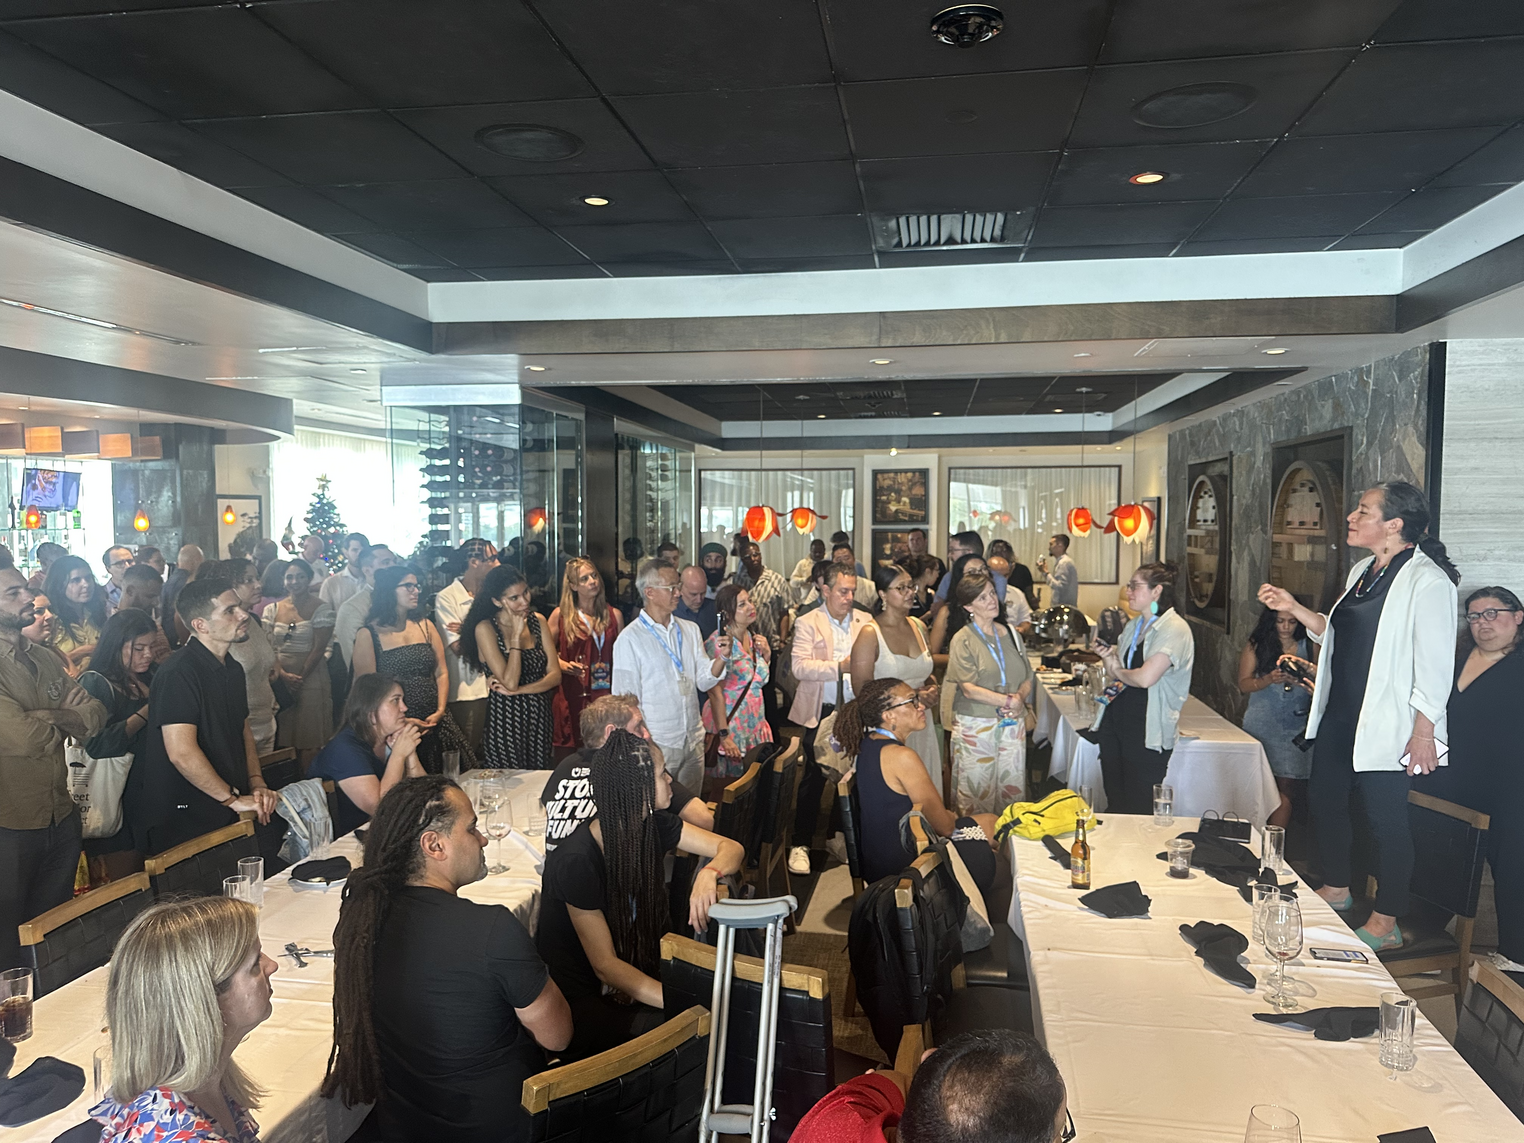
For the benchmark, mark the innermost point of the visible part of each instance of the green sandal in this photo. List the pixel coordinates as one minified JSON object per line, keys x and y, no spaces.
{"x":1392,"y":940}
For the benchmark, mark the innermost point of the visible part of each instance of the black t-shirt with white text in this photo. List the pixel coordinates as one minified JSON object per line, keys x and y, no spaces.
{"x":568,"y":798}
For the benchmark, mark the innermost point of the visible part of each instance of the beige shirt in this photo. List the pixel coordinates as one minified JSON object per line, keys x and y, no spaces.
{"x":34,"y":786}
{"x":971,"y":658}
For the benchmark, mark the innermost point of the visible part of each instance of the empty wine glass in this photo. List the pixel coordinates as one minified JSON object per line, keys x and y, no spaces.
{"x":1271,"y":1124}
{"x":499,"y":822}
{"x":1283,"y":940}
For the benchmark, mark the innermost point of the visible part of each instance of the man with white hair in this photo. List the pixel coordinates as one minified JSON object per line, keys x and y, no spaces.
{"x":659,"y":659}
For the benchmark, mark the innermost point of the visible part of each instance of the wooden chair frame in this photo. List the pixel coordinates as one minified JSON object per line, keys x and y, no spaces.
{"x":541,"y":1090}
{"x":33,"y":932}
{"x":1508,"y":993}
{"x":802,"y":978}
{"x":773,"y":851}
{"x":280,"y":757}
{"x":161,"y":863}
{"x":844,"y":790}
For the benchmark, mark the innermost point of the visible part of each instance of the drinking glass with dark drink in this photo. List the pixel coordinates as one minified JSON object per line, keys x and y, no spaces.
{"x":16,"y":1004}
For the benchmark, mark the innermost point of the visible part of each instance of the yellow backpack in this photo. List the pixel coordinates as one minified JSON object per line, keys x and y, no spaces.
{"x":1055,"y":814}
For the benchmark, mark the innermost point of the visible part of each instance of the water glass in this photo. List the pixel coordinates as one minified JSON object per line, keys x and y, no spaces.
{"x":239,"y":888}
{"x":1399,"y":1014}
{"x":1271,"y":1124}
{"x":1272,"y":850}
{"x":254,"y":869}
{"x":1263,"y":895}
{"x":1164,"y":805}
{"x":1179,"y":850}
{"x":100,"y":1063}
{"x":1087,"y":795}
{"x":16,"y":1004}
{"x":452,"y":765}
{"x":535,"y":826}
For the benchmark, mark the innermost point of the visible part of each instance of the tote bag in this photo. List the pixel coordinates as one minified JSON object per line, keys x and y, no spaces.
{"x":96,"y":785}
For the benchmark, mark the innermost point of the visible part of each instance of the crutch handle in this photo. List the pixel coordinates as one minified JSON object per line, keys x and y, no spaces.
{"x":756,"y":914}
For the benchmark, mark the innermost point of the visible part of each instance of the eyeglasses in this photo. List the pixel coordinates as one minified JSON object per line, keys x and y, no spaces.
{"x":1069,"y":1131}
{"x":664,"y":587}
{"x":409,"y":586}
{"x":1489,"y":614}
{"x":1135,"y":585}
{"x":119,"y":564}
{"x":902,"y":702}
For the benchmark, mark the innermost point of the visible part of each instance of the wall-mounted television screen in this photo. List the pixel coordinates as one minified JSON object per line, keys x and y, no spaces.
{"x":50,"y":489}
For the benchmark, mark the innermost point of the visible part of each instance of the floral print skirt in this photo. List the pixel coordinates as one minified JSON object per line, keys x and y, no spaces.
{"x":988,"y":764}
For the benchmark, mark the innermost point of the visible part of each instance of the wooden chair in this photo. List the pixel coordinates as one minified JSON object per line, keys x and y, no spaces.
{"x":851,"y":828}
{"x":648,"y":1089}
{"x":280,"y":767}
{"x":736,"y":815}
{"x":78,"y":936}
{"x":779,"y":799}
{"x":196,"y":868}
{"x":1489,"y":1033}
{"x":1450,"y":844}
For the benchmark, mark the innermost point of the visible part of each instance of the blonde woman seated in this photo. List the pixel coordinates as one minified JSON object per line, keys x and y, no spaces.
{"x":187,"y":983}
{"x":891,"y":778}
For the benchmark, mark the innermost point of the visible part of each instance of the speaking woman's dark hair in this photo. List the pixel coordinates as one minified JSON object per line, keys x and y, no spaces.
{"x":272,"y":581}
{"x":883,"y":576}
{"x":365,"y":699}
{"x":624,"y":789}
{"x":1467,"y":641}
{"x":1266,"y":641}
{"x":392,"y":858}
{"x":863,"y":713}
{"x":1161,"y":575}
{"x":120,"y":630}
{"x":500,"y":580}
{"x":1399,"y":499}
{"x":301,"y":565}
{"x":70,"y":613}
{"x":384,"y":611}
{"x":966,"y":586}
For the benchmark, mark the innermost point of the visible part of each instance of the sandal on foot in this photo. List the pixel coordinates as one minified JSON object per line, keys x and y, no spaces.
{"x":1392,"y":940}
{"x":1343,"y":906}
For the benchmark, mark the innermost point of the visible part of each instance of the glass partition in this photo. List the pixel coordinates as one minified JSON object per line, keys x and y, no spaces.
{"x":725,"y":494}
{"x":1027,"y":505}
{"x":654,"y":502}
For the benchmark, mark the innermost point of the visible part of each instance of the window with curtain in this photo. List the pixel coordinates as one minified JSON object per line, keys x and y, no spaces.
{"x":1027,"y":505}
{"x":725,"y":494}
{"x":362,"y":482}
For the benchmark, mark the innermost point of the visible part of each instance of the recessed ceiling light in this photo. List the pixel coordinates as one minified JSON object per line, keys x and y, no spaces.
{"x":1058,"y":410}
{"x":596,"y":200}
{"x":1273,"y":352}
{"x":357,"y":371}
{"x":536,"y":368}
{"x":1282,"y":382}
{"x":1148,"y":178}
{"x":1084,"y":355}
{"x":938,"y":413}
{"x":820,"y":416}
{"x":881,"y":361}
{"x":894,"y":452}
{"x":964,"y":25}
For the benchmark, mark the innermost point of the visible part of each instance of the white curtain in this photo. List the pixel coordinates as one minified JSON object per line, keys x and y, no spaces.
{"x":725,"y":495}
{"x":387,"y":506}
{"x":1027,"y":505}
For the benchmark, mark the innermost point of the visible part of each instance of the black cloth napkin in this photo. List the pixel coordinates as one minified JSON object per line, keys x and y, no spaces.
{"x":1215,"y":852}
{"x":7,"y":1056}
{"x":1219,"y":947}
{"x":1056,"y":850}
{"x":1411,"y":1135}
{"x":1125,"y":899}
{"x":1336,"y":1024}
{"x":1266,"y":877}
{"x":87,"y":1132}
{"x":48,"y":1085}
{"x":333,"y":869}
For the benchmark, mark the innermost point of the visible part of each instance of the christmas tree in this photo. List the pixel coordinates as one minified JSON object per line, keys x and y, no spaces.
{"x":323,"y":520}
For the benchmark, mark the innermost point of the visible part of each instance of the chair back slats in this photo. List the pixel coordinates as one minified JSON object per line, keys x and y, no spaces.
{"x":280,"y":767}
{"x":1450,"y":845}
{"x":851,"y":828}
{"x":1489,"y":1033}
{"x":736,"y":815}
{"x":651,"y":1088}
{"x":779,"y":782}
{"x":78,"y":936}
{"x":196,"y":868}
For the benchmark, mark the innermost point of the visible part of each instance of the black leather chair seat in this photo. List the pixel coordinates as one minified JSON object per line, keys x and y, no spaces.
{"x":1002,"y":964}
{"x":1421,"y":945}
{"x":975,"y":1009}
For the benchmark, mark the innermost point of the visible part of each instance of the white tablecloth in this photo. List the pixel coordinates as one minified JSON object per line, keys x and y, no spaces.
{"x":1153,"y":1046}
{"x":288,"y":1053}
{"x":1215,"y":765}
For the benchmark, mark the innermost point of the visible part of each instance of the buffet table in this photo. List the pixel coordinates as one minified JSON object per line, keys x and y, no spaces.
{"x":1153,"y":1046}
{"x":288,"y":1053}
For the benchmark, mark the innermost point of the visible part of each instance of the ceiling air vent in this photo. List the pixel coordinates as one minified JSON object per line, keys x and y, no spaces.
{"x":947,"y":231}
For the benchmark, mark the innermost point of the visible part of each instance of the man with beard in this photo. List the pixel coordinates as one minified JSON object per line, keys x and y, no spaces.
{"x":200,"y":769}
{"x":40,"y":706}
{"x":712,"y":560}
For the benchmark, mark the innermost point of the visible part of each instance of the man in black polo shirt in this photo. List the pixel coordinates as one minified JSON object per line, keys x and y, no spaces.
{"x":200,"y":768}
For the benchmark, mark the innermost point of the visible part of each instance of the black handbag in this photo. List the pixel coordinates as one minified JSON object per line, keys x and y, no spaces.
{"x":1224,"y":827}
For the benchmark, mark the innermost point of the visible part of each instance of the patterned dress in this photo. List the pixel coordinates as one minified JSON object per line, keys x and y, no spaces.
{"x":576,"y":693}
{"x":519,"y":726}
{"x":413,"y":665}
{"x":161,"y":1115}
{"x":745,"y":672}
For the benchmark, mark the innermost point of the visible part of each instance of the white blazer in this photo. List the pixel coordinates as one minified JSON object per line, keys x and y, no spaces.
{"x":1412,"y":663}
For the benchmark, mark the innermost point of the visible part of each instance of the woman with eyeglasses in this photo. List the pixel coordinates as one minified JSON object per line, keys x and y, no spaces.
{"x":395,"y":641}
{"x":1378,"y":707}
{"x":1486,"y":770}
{"x":504,"y":639}
{"x":301,"y":626}
{"x":895,"y":645}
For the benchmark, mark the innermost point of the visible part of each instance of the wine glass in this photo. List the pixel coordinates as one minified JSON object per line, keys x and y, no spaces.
{"x":1283,"y":940}
{"x":1271,"y":1124}
{"x":499,"y":822}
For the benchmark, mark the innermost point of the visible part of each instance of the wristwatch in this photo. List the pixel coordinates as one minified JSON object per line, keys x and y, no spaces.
{"x":232,"y":797}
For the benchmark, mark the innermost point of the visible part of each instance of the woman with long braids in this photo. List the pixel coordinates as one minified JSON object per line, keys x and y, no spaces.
{"x":1378,"y":707}
{"x":504,"y":639}
{"x":604,"y":908}
{"x":441,"y":1007}
{"x":875,"y":729}
{"x":583,"y":629}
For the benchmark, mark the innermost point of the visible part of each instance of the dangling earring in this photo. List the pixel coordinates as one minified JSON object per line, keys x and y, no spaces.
{"x":1153,"y":607}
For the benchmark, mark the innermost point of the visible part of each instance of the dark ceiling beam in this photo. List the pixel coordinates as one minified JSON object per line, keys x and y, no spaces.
{"x":1499,"y":269}
{"x":603,"y":401}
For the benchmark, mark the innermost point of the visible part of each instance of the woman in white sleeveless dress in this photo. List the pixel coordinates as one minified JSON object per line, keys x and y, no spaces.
{"x":895,"y":646}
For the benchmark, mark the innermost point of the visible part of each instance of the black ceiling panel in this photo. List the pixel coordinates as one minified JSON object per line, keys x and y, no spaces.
{"x":721,"y":128}
{"x":1193,"y":29}
{"x":308,"y":208}
{"x":194,"y":154}
{"x":1377,"y":241}
{"x":956,"y":182}
{"x":1422,"y":86}
{"x":1447,"y":20}
{"x":444,"y":275}
{"x":644,"y":242}
{"x":950,"y":398}
{"x":405,"y":54}
{"x":1286,"y":85}
{"x":1255,"y":246}
{"x":677,"y":45}
{"x":804,"y":265}
{"x":39,"y":78}
{"x":891,"y":39}
{"x":1119,"y":225}
{"x":442,"y":203}
{"x":1500,"y":161}
{"x":963,"y":115}
{"x":1339,"y":164}
{"x":1295,"y":216}
{"x":21,"y":9}
{"x":1192,"y":170}
{"x":669,"y":269}
{"x":348,"y":147}
{"x":774,"y":190}
{"x":794,"y":237}
{"x":1430,"y":208}
{"x":634,"y":196}
{"x":396,"y":249}
{"x":193,"y":63}
{"x":510,"y":246}
{"x":607,"y":146}
{"x":523,"y":273}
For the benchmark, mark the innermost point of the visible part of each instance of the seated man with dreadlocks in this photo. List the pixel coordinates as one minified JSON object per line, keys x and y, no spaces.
{"x":604,"y":909}
{"x":441,"y":1007}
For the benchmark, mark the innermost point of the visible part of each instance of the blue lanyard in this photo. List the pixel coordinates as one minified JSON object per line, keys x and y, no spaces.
{"x":677,"y":659}
{"x":599,"y":636}
{"x":1137,"y":633}
{"x":879,"y":730}
{"x":997,"y":650}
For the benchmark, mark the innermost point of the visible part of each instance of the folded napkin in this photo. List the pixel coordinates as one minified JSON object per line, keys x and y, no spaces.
{"x":1328,"y":1023}
{"x":48,"y":1085}
{"x":1215,"y":852}
{"x":1411,"y":1135}
{"x":322,"y":872}
{"x":1056,"y":850}
{"x":7,"y":1056}
{"x":1125,"y":899}
{"x":1219,"y":947}
{"x":87,"y":1132}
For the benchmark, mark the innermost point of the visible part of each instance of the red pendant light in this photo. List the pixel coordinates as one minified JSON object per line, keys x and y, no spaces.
{"x":1079,"y":522}
{"x":32,"y":517}
{"x":1133,"y":522}
{"x":762,"y":523}
{"x":536,"y":520}
{"x":805,"y":519}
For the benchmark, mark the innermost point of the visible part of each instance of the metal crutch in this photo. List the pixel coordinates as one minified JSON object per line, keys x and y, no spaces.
{"x":754,"y":1118}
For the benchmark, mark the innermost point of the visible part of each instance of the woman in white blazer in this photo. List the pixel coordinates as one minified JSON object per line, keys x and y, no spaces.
{"x":1378,"y":708}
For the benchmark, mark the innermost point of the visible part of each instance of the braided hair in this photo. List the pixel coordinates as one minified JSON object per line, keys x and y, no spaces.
{"x":624,"y":789}
{"x":863,"y":713}
{"x":392,"y":858}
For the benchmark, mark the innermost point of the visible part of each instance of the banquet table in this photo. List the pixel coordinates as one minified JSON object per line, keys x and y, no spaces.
{"x":1215,"y":765}
{"x":1154,"y":1046}
{"x":288,"y":1053}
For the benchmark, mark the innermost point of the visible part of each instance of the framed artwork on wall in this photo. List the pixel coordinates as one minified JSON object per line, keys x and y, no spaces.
{"x":899,"y":496}
{"x":885,"y":544}
{"x":237,"y":539}
{"x":1208,"y":541}
{"x":1153,"y":547}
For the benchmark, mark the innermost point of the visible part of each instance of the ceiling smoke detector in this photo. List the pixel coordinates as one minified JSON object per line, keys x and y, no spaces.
{"x":531,"y":142}
{"x":964,"y":25}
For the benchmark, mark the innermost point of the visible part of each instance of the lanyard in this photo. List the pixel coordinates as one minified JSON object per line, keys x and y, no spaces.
{"x":1137,"y":633}
{"x":677,"y":659}
{"x":599,"y":636}
{"x":879,"y":730}
{"x":997,"y":650}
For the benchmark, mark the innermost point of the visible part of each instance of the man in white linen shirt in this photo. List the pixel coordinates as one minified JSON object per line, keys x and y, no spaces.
{"x":341,"y":585}
{"x":351,"y":614}
{"x":468,"y":687}
{"x":1063,"y":576}
{"x":659,"y":659}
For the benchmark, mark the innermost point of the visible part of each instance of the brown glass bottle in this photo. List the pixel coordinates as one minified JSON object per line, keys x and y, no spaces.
{"x":1079,"y":858}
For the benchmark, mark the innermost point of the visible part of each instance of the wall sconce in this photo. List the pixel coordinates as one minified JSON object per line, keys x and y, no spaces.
{"x":229,"y":517}
{"x":44,"y":439}
{"x":115,"y":446}
{"x":140,"y":521}
{"x":32,"y":518}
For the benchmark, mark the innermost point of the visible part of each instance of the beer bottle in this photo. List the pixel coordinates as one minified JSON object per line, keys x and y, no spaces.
{"x":1079,"y":858}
